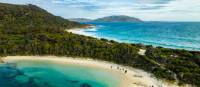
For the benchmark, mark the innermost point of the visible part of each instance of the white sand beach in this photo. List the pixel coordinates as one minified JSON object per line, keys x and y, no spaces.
{"x":80,"y":31}
{"x":130,"y":77}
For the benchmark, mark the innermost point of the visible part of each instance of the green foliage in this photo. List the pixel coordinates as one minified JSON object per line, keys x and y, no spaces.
{"x":185,"y":64}
{"x":29,"y":30}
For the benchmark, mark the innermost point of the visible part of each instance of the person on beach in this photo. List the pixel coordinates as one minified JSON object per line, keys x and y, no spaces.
{"x":125,"y":71}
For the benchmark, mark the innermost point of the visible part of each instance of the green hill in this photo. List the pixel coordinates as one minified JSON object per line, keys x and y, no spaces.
{"x":31,"y":15}
{"x":30,"y":30}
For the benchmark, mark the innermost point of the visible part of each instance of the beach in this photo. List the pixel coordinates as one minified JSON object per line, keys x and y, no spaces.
{"x":130,"y":77}
{"x":77,"y":31}
{"x":80,"y":31}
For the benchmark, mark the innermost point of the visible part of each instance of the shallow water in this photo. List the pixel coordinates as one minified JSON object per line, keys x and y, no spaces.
{"x":49,"y":74}
{"x":179,"y":35}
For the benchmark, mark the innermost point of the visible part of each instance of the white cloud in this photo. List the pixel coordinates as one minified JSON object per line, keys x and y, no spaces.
{"x":154,"y":10}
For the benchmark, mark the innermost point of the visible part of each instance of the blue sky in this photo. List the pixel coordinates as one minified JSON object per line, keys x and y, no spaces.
{"x":149,"y":10}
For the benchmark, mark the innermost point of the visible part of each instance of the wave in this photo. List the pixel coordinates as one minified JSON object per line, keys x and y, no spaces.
{"x":92,"y":29}
{"x":167,"y":45}
{"x":183,"y":39}
{"x":82,"y":32}
{"x":175,"y":37}
{"x":155,"y":44}
{"x":95,"y":28}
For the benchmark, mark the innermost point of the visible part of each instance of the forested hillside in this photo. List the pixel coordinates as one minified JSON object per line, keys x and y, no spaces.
{"x":30,"y":30}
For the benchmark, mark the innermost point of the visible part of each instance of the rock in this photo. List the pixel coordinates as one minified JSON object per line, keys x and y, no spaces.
{"x":85,"y":85}
{"x":22,"y":79}
{"x":9,"y":72}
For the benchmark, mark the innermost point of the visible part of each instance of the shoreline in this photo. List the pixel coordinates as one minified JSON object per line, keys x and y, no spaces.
{"x":80,"y":31}
{"x":130,"y":77}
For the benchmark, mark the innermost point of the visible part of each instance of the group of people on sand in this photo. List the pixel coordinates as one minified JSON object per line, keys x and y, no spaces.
{"x":121,"y":69}
{"x":124,"y":70}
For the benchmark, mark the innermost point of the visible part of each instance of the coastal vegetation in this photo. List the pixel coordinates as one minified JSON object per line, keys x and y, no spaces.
{"x":30,"y":30}
{"x":180,"y":65}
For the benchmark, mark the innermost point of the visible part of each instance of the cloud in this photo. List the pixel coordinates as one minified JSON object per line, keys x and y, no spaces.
{"x":160,"y":10}
{"x":99,"y":4}
{"x":154,"y":1}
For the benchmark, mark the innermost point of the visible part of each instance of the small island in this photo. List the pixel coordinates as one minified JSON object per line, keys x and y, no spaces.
{"x":114,"y":18}
{"x":117,"y":18}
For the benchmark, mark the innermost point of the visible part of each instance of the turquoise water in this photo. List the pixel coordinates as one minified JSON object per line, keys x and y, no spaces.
{"x":178,"y":35}
{"x":49,"y":74}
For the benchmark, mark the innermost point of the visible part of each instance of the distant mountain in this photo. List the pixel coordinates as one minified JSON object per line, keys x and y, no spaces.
{"x":119,"y":18}
{"x":80,"y":19}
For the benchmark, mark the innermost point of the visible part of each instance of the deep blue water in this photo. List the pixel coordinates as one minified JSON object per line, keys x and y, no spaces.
{"x":178,"y":35}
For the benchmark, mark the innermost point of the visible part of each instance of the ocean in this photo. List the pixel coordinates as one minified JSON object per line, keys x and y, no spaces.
{"x":176,"y":35}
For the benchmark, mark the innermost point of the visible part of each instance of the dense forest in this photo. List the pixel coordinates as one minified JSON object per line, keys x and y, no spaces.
{"x":30,"y":30}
